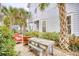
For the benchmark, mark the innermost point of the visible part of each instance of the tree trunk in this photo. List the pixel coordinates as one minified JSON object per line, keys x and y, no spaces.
{"x":64,"y":41}
{"x":24,"y":29}
{"x":20,"y":28}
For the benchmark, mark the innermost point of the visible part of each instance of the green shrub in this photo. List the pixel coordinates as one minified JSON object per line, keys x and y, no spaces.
{"x":6,"y":42}
{"x":46,"y":35}
{"x":55,"y":36}
{"x":32,"y":34}
{"x":52,"y":36}
{"x":74,"y":43}
{"x":4,"y":30}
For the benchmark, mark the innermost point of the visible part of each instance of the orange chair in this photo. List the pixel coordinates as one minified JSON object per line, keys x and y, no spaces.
{"x":18,"y":37}
{"x":25,"y":39}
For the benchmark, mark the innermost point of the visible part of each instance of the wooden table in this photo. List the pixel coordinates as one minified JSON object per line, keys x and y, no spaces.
{"x":48,"y":44}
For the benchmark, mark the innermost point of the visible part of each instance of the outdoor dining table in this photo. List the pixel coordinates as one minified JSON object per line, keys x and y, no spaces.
{"x":44,"y":42}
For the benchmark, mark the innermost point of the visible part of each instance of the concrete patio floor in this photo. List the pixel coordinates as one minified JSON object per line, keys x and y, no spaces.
{"x":23,"y":50}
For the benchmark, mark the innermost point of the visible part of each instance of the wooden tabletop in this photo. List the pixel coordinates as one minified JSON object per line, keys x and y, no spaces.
{"x":42,"y":41}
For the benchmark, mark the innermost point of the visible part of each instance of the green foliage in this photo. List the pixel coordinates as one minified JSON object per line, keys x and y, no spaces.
{"x":74,"y":47}
{"x":46,"y":35}
{"x":15,"y":16}
{"x":51,"y":36}
{"x":74,"y":43}
{"x":32,"y":34}
{"x":4,"y":30}
{"x":42,"y":6}
{"x":6,"y":21}
{"x":6,"y":42}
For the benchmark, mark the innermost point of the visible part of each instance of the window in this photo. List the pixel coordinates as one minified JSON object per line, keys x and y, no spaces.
{"x":35,"y":10}
{"x":44,"y":26}
{"x":69,"y":24}
{"x":29,"y":4}
{"x":37,"y":25}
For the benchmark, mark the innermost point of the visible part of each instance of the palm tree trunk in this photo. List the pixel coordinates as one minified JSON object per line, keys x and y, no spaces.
{"x":20,"y":28}
{"x":64,"y":41}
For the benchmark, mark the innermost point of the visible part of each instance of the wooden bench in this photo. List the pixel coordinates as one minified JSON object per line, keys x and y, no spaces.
{"x":37,"y":49}
{"x":44,"y":47}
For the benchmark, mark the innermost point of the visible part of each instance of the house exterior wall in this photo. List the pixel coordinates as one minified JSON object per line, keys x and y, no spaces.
{"x":73,"y":10}
{"x":51,"y":16}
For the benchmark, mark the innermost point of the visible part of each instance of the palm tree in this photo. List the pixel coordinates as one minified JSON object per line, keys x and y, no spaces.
{"x":63,"y":24}
{"x":23,"y":16}
{"x":6,"y":21}
{"x":42,"y":6}
{"x":9,"y":12}
{"x":16,"y":16}
{"x":64,"y":40}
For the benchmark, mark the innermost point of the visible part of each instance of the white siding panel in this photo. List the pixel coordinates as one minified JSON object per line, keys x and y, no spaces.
{"x":76,"y":24}
{"x":73,"y":10}
{"x":50,"y":14}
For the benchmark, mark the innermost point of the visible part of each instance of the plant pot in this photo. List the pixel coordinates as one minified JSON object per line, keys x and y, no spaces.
{"x":25,"y":39}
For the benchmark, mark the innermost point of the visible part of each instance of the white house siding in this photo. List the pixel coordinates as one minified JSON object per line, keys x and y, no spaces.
{"x":50,"y":14}
{"x":73,"y":10}
{"x":53,"y":24}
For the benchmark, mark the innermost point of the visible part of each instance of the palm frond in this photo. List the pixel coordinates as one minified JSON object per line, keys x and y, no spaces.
{"x":42,"y":6}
